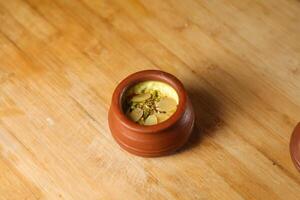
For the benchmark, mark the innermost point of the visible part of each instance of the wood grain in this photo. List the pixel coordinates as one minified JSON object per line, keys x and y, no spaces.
{"x":61,"y":60}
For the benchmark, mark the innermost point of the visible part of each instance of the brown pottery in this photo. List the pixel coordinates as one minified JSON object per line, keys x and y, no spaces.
{"x":295,"y":147}
{"x":156,"y":140}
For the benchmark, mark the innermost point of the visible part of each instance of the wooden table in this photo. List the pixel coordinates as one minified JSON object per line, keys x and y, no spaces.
{"x":61,"y":60}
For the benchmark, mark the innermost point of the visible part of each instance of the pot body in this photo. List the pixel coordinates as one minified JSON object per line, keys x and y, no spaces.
{"x":151,"y":141}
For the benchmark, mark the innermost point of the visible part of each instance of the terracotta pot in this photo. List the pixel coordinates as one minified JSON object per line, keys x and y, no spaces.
{"x":156,"y":140}
{"x":295,"y":147}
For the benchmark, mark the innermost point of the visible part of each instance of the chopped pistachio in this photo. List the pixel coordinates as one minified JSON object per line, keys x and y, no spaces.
{"x":149,"y":107}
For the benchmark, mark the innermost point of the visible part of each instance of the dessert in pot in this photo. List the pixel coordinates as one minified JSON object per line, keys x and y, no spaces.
{"x":150,"y":102}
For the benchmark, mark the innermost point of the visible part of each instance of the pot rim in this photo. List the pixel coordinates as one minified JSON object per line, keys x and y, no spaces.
{"x":148,"y":75}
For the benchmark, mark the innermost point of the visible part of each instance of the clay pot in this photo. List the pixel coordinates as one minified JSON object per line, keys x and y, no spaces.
{"x":156,"y":140}
{"x":295,"y":147}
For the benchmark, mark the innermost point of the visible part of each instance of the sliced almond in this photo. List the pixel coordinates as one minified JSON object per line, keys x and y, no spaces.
{"x":151,"y":120}
{"x":161,"y":117}
{"x":141,"y":97}
{"x":136,"y":114}
{"x":166,"y":104}
{"x":171,"y":112}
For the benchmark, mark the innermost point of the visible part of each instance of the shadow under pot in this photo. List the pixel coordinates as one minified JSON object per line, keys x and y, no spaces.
{"x":150,"y":114}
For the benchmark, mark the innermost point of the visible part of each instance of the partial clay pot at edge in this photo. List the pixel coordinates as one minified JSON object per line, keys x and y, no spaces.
{"x":295,"y":146}
{"x":156,"y":140}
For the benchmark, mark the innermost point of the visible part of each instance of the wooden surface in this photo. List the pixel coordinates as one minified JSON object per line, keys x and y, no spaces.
{"x":60,"y":61}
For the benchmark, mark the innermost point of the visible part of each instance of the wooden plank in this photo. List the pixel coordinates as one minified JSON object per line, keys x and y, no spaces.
{"x":12,"y":186}
{"x":59,"y":64}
